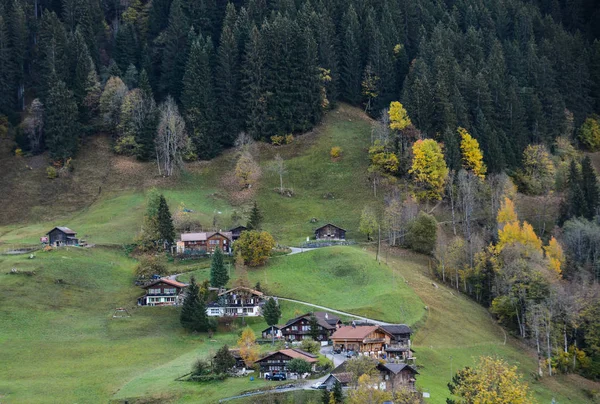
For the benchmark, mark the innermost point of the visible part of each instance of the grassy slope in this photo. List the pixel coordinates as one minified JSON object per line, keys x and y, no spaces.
{"x":62,"y":343}
{"x":458,"y":330}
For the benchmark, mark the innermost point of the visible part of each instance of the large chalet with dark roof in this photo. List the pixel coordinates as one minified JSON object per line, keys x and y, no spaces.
{"x":330,"y":232}
{"x":299,"y":328}
{"x":240,"y":301}
{"x":162,"y":292}
{"x":399,"y":345}
{"x":62,"y":236}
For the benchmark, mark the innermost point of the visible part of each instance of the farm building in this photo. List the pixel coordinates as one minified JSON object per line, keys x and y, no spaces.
{"x":204,"y":243}
{"x":397,"y":376}
{"x":162,"y":292}
{"x":370,"y":339}
{"x":62,"y":236}
{"x":330,"y":232}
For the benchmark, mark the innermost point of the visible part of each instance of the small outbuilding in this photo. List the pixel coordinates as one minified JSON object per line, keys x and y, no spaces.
{"x":236,"y":232}
{"x":62,"y":236}
{"x":330,"y":232}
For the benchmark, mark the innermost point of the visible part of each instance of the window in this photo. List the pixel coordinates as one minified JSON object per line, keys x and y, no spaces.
{"x":294,"y":328}
{"x":153,"y":291}
{"x":170,"y":291}
{"x":213,"y":242}
{"x":214,"y":311}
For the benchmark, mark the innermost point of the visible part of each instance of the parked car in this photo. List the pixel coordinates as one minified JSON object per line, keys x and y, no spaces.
{"x":350,"y":354}
{"x":319,"y":386}
{"x":276,"y":376}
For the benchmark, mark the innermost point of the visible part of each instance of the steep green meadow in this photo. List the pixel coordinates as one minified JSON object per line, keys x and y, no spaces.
{"x":58,"y":339}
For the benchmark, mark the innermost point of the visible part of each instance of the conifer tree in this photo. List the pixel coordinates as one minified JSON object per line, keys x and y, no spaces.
{"x":254,"y":90}
{"x":271,"y":313}
{"x":193,"y":311}
{"x":145,"y":137}
{"x":574,"y":204}
{"x":7,"y":70}
{"x":338,"y":394}
{"x":19,"y":41}
{"x":61,"y":125}
{"x":590,"y":188}
{"x":51,"y":63}
{"x":223,"y":361}
{"x":158,"y":18}
{"x":80,"y":65}
{"x":198,"y":99}
{"x":227,"y":80}
{"x":218,"y":272}
{"x":350,"y":66}
{"x":166,"y":231}
{"x":175,"y":50}
{"x":255,"y":220}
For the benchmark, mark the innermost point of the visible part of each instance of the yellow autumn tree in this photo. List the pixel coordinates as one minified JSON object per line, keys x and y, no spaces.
{"x":428,"y":169}
{"x":368,"y":392}
{"x":555,"y":255}
{"x":398,"y":116}
{"x":492,"y":381}
{"x":507,"y":213}
{"x":472,"y":157}
{"x":248,"y":348}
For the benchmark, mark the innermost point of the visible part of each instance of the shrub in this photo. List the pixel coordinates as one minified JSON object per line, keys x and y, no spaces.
{"x":255,"y":247}
{"x":150,"y":265}
{"x":289,"y":138}
{"x":201,"y":367}
{"x":298,"y":365}
{"x":277,"y":140}
{"x":309,"y":346}
{"x":421,"y":235}
{"x":127,"y":146}
{"x":335,"y":152}
{"x":51,"y":172}
{"x":19,"y":152}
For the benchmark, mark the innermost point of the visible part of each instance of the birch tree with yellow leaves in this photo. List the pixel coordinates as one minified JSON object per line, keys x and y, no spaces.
{"x":472,"y":157}
{"x":429,"y":170}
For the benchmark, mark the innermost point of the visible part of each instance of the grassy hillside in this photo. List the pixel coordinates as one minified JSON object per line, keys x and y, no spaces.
{"x":62,"y":344}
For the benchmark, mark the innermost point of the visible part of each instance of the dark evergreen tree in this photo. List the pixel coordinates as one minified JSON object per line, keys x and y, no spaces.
{"x":223,"y":360}
{"x":61,"y":126}
{"x":199,"y":99}
{"x":574,"y":203}
{"x":158,"y":18}
{"x":145,"y":137}
{"x":131,"y":77}
{"x":126,"y":49}
{"x":7,"y":67}
{"x":338,"y":394}
{"x":218,"y":273}
{"x":227,"y":80}
{"x":19,"y":41}
{"x":255,"y":220}
{"x":313,"y":323}
{"x":80,"y":66}
{"x":350,"y":59}
{"x":52,"y":62}
{"x":271,"y":313}
{"x":590,"y":188}
{"x":254,"y":85}
{"x":166,"y":231}
{"x":175,"y":40}
{"x":452,"y":152}
{"x":193,"y":311}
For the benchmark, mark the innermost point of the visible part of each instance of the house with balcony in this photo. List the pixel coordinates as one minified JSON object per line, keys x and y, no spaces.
{"x":204,"y":243}
{"x":365,"y":339}
{"x":299,"y":328}
{"x":162,"y":292}
{"x":237,"y":302}
{"x":276,"y":362}
{"x":399,"y":346}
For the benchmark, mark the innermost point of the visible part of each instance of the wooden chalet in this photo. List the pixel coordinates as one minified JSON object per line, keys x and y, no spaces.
{"x":330,"y":232}
{"x":339,"y":374}
{"x":236,"y":232}
{"x":299,"y":328}
{"x":162,"y":292}
{"x":240,"y":301}
{"x":272,"y":331}
{"x":367,"y":339}
{"x":277,"y":361}
{"x":399,"y":346}
{"x":397,"y":376}
{"x":62,"y":236}
{"x":204,"y":243}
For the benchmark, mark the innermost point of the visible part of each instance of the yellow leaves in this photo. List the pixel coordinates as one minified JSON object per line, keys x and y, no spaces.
{"x":398,"y":116}
{"x":428,"y":169}
{"x":368,"y":392}
{"x":589,"y":134}
{"x":507,"y":213}
{"x":472,"y":156}
{"x":493,"y":381}
{"x":555,"y":255}
{"x":248,"y":349}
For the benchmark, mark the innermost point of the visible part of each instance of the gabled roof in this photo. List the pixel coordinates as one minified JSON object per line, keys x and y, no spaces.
{"x":254,"y":292}
{"x":396,"y":368}
{"x":205,"y":235}
{"x":357,"y":333}
{"x":241,"y":228}
{"x":294,"y":354}
{"x":329,"y":224}
{"x":167,"y":281}
{"x":325,"y":320}
{"x":63,"y":229}
{"x":397,"y":329}
{"x":343,"y":378}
